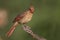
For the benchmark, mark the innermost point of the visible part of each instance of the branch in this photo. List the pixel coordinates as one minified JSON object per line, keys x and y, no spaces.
{"x":28,"y":30}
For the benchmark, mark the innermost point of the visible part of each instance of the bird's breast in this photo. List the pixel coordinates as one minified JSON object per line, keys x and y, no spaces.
{"x":26,"y":18}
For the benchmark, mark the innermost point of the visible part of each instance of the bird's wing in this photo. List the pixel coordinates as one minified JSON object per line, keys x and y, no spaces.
{"x":19,"y":17}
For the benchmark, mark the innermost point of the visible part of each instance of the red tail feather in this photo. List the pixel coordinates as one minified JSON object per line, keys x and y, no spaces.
{"x":9,"y":33}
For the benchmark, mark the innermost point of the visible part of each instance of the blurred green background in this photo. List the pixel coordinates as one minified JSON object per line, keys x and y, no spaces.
{"x":45,"y":21}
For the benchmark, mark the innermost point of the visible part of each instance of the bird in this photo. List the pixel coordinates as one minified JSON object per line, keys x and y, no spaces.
{"x":23,"y":18}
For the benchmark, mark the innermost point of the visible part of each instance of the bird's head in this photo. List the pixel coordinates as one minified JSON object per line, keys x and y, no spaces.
{"x":31,"y":9}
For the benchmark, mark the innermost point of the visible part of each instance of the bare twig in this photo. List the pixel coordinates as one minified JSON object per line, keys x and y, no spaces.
{"x":28,"y":30}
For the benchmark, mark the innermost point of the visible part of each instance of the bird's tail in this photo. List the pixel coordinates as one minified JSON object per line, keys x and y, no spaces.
{"x":9,"y":33}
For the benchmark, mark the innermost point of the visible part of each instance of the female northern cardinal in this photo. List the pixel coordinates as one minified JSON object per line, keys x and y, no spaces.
{"x":23,"y":19}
